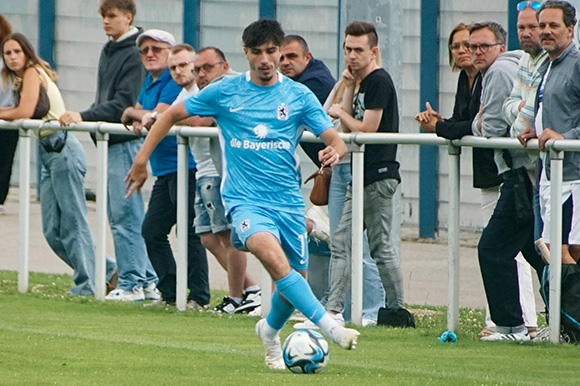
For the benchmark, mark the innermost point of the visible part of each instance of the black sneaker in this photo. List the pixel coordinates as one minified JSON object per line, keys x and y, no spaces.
{"x":250,"y":301}
{"x":228,"y":305}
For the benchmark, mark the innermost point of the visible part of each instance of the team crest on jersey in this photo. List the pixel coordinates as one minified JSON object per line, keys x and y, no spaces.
{"x":261,"y":131}
{"x":245,"y":225}
{"x":282,"y":112}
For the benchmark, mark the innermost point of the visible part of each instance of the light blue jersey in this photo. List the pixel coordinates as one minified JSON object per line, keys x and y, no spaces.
{"x":260,"y":127}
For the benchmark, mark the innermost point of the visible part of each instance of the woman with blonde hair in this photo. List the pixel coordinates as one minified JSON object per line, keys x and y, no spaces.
{"x":62,"y":197}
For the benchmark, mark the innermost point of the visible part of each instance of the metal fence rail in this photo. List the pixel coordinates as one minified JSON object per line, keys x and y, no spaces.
{"x":103,"y":129}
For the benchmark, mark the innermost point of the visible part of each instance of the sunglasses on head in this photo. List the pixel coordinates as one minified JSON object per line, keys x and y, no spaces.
{"x":535,"y":5}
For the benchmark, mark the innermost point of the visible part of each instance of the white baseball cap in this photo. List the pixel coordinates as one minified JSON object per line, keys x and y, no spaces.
{"x":157,"y":35}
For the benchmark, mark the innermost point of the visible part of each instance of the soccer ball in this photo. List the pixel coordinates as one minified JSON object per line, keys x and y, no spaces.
{"x":305,"y":352}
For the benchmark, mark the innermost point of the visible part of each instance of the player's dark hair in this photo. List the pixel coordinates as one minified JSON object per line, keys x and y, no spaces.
{"x":263,"y":31}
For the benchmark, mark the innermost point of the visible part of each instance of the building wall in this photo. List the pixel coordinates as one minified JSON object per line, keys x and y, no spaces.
{"x":80,"y":38}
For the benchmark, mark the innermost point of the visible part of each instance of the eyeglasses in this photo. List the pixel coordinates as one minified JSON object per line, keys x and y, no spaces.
{"x":181,"y":66}
{"x":456,"y":46}
{"x":155,"y":49}
{"x":535,"y":5}
{"x":206,"y":67}
{"x":483,"y":47}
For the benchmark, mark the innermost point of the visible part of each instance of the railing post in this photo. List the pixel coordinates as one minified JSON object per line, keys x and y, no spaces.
{"x":102,"y":197}
{"x":24,"y":210}
{"x":182,"y":226}
{"x":453,"y":236}
{"x":556,"y":171}
{"x":357,"y":234}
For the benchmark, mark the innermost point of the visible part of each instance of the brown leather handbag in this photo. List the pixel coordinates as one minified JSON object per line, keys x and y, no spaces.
{"x":319,"y":193}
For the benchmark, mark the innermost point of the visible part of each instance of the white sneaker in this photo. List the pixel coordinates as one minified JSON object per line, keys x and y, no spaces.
{"x":321,"y":230}
{"x":250,"y":301}
{"x":512,"y":336}
{"x":256,"y":312}
{"x":273,"y":357}
{"x":151,"y":292}
{"x":346,"y":338}
{"x":133,"y":295}
{"x":309,"y":325}
{"x":368,"y":322}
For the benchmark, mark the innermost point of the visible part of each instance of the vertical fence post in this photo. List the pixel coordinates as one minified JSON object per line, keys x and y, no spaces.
{"x":102,"y":197}
{"x":556,"y":171}
{"x":182,"y":226}
{"x":453,"y":236}
{"x":24,"y":210}
{"x":357,"y":234}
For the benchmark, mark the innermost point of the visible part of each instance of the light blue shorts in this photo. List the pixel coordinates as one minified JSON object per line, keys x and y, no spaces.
{"x":288,"y":227}
{"x":210,"y":215}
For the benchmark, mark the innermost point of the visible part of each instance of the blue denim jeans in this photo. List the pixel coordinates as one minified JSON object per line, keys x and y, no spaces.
{"x":64,"y":213}
{"x":373,"y":293}
{"x":125,"y":218}
{"x":378,"y":215}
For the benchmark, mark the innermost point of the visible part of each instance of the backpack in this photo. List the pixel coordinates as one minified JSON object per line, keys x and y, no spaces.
{"x":397,"y":317}
{"x":570,"y":302}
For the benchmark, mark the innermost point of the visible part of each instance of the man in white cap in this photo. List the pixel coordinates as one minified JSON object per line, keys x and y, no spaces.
{"x":157,"y":94}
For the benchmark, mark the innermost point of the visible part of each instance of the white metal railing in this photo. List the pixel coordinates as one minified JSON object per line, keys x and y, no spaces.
{"x":102,"y":129}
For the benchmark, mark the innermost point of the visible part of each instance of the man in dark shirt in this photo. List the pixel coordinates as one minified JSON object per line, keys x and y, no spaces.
{"x":374,"y":110}
{"x":297,"y":63}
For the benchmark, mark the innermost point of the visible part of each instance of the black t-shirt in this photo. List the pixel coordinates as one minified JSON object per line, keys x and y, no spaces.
{"x":377,"y":91}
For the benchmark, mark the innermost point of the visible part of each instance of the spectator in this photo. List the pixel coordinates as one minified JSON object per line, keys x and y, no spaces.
{"x":374,"y":110}
{"x":557,"y":117}
{"x":157,"y":94}
{"x":120,"y":75}
{"x":509,"y":231}
{"x":8,"y":138}
{"x":62,"y":197}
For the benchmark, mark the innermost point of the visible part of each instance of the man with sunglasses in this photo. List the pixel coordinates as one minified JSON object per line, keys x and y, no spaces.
{"x":510,"y":228}
{"x":120,"y":75}
{"x":159,"y":91}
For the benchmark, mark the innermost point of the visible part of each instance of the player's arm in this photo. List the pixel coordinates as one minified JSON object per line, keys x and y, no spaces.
{"x":335,"y":149}
{"x":138,"y":172}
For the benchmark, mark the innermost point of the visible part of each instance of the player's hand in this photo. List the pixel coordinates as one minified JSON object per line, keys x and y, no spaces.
{"x":136,"y":178}
{"x":546,"y":135}
{"x":525,"y":135}
{"x":328,"y":156}
{"x":70,"y":117}
{"x":137,"y":127}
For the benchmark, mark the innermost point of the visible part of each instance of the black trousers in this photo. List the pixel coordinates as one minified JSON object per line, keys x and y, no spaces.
{"x":8,"y":142}
{"x":161,"y":216}
{"x":503,"y":238}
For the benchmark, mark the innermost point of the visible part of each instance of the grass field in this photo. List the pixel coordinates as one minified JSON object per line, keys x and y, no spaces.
{"x":48,"y":338}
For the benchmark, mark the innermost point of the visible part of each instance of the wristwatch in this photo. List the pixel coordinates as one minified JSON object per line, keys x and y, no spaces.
{"x":154,"y":115}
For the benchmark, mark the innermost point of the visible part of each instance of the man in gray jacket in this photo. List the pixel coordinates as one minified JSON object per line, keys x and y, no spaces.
{"x":510,"y":228}
{"x":558,"y":117}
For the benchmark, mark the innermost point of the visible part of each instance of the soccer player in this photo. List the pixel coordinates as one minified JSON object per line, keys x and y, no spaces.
{"x":259,"y":114}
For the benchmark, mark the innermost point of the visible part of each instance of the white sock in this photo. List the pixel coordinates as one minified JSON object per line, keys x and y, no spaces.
{"x":327,"y":323}
{"x":269,"y":332}
{"x":237,"y":300}
{"x":252,"y":288}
